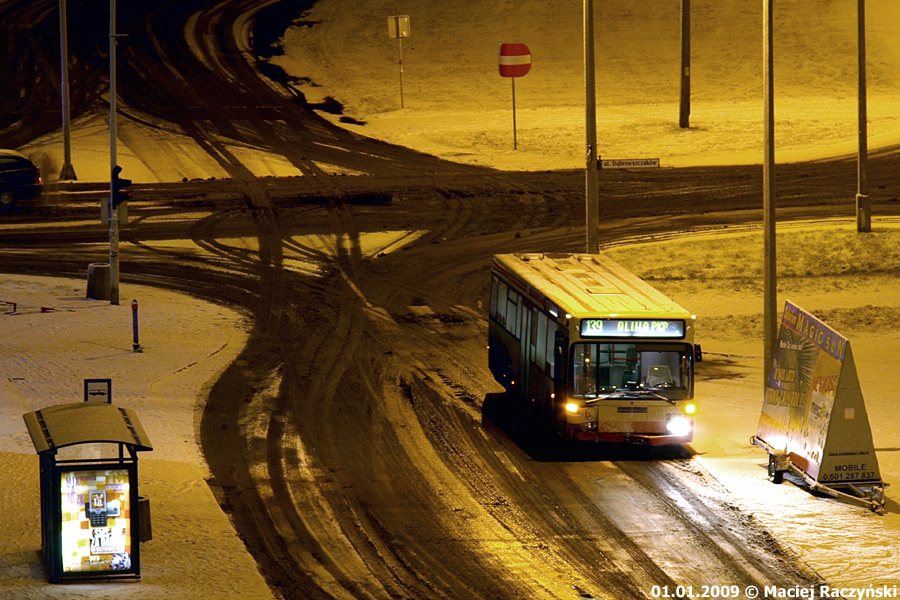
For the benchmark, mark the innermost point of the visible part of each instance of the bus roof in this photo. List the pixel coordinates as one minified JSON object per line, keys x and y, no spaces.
{"x":588,"y":285}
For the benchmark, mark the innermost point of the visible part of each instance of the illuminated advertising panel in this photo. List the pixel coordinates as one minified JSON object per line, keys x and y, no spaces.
{"x":813,"y":407}
{"x":96,"y":524}
{"x":801,"y":388}
{"x":641,"y":328}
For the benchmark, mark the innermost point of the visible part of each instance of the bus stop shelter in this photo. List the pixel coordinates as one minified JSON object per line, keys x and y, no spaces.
{"x":92,"y":519}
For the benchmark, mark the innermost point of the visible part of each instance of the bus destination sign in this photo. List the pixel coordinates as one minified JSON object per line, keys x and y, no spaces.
{"x":641,"y":328}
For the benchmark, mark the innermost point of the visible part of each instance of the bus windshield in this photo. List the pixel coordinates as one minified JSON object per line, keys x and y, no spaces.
{"x":600,"y":369}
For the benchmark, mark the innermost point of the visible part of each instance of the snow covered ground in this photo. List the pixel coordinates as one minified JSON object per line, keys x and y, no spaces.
{"x":459,"y":108}
{"x":195,"y":552}
{"x":846,"y":544}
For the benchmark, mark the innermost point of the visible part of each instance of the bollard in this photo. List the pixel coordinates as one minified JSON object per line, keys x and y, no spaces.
{"x":134,"y":319}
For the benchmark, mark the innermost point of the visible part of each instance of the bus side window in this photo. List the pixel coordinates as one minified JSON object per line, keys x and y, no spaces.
{"x":520,"y":309}
{"x":501,"y":302}
{"x":533,"y":335}
{"x":541,"y":342}
{"x":551,"y":339}
{"x":494,"y":296}
{"x":512,"y":310}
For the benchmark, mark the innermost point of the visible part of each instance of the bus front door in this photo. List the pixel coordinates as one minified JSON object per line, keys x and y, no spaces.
{"x":560,"y":377}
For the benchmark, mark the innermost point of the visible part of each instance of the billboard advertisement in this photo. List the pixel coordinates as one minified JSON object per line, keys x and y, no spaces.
{"x":813,"y":408}
{"x":96,"y":526}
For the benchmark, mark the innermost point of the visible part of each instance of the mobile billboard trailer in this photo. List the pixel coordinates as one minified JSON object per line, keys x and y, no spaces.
{"x":590,"y":347}
{"x":814,"y":422}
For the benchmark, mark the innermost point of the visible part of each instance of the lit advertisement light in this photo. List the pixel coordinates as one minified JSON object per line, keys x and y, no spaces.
{"x":96,"y":520}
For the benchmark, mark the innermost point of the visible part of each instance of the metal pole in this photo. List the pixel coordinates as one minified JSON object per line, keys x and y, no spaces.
{"x":68,"y":171}
{"x":515,"y":140}
{"x":113,"y":209}
{"x":863,"y":203}
{"x":400,"y":39}
{"x":592,"y":201}
{"x":771,"y":291}
{"x":684,"y":119}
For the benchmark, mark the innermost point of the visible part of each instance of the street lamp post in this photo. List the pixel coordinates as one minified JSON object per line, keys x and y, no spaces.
{"x":592,"y":202}
{"x":68,"y":171}
{"x":863,"y":203}
{"x":113,"y":208}
{"x":770,"y":284}
{"x":684,"y":119}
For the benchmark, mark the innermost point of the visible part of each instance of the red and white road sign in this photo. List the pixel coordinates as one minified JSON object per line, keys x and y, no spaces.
{"x":515,"y":60}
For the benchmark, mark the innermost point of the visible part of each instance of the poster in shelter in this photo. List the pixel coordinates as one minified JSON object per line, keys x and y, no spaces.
{"x":96,"y":520}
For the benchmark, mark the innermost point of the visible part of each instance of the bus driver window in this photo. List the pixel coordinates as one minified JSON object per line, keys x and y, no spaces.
{"x":584,"y":366}
{"x":585,"y":384}
{"x":660,"y":376}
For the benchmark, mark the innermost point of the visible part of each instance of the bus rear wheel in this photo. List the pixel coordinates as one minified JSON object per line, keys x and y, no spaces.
{"x":775,"y":475}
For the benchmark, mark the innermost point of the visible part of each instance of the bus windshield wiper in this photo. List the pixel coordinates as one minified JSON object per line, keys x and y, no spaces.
{"x":633,"y":393}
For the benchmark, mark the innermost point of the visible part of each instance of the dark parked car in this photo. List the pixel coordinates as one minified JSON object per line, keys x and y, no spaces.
{"x":20,"y":179}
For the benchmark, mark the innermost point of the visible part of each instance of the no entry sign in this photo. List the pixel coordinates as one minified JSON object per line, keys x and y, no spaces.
{"x":515,"y":60}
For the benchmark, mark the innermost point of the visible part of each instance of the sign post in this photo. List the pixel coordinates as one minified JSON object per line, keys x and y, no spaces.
{"x":398,"y":28}
{"x":814,"y":421}
{"x":515,"y":61}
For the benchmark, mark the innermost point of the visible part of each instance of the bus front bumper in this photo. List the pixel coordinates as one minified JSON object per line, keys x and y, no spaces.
{"x":645,"y":439}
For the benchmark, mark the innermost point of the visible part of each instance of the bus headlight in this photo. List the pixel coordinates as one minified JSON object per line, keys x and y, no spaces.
{"x":679,"y":426}
{"x":572,"y":408}
{"x":690,"y":409}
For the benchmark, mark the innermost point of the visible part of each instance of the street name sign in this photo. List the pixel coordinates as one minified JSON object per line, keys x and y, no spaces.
{"x":629,"y":163}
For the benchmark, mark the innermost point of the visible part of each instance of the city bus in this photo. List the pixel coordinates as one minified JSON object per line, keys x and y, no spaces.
{"x":578,"y":340}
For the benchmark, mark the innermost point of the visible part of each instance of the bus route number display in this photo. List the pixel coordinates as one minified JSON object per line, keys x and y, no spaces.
{"x":643,"y":328}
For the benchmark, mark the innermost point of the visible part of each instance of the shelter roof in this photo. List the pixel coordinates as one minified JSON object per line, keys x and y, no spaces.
{"x":83,"y":423}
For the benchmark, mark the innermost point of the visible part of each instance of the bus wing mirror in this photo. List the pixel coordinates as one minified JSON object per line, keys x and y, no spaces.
{"x":698,"y":353}
{"x":560,"y":346}
{"x":560,"y":351}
